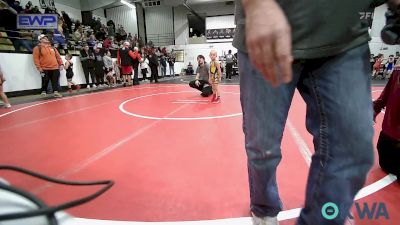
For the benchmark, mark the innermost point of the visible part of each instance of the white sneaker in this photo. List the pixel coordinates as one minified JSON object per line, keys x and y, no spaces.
{"x":264,"y":220}
{"x":4,"y":181}
{"x":94,"y":86}
{"x":7,"y":106}
{"x":349,"y":221}
{"x":88,"y":87}
{"x":57,"y":95}
{"x":43,"y":93}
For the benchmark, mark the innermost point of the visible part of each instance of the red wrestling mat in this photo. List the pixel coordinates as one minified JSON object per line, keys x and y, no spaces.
{"x":173,"y":156}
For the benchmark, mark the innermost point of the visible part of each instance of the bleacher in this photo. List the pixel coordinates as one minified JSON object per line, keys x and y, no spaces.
{"x":5,"y":42}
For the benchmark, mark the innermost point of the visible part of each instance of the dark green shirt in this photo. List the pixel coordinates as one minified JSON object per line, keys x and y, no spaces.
{"x":203,"y":72}
{"x":320,"y":28}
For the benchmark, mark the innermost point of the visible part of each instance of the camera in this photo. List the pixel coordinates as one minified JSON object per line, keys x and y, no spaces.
{"x":391,"y":31}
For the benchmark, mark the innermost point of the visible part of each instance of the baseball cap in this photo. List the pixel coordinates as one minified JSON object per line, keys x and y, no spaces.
{"x":42,"y":36}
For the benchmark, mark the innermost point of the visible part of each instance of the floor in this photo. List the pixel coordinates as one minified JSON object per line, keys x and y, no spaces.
{"x":173,"y":156}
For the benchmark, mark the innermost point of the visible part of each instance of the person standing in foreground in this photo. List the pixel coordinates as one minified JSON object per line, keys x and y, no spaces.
{"x":48,"y":62}
{"x":2,"y":95}
{"x":283,"y":46}
{"x":389,"y":138}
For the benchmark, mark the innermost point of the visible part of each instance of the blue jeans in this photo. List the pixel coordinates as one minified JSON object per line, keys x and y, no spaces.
{"x":337,"y":92}
{"x":18,"y":43}
{"x":163,"y":71}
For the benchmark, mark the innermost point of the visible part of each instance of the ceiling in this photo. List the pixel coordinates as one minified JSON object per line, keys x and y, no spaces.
{"x":113,"y":3}
{"x":193,"y":2}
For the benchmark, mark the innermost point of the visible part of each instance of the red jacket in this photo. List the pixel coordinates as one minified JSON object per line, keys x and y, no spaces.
{"x":390,"y":98}
{"x":107,"y":43}
{"x":119,"y":56}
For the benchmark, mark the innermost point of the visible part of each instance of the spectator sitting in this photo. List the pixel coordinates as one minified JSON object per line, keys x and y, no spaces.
{"x":91,"y":41}
{"x":28,"y":8}
{"x":59,"y":38}
{"x":35,"y":36}
{"x":122,"y":32}
{"x":26,"y":40}
{"x":114,"y":43}
{"x":78,"y":35}
{"x":17,"y":6}
{"x":107,"y":42}
{"x":111,"y":28}
{"x":101,"y":34}
{"x":36,"y":10}
{"x":77,"y":25}
{"x":189,"y":70}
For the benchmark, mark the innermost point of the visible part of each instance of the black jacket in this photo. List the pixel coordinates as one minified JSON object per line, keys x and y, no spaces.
{"x":87,"y":59}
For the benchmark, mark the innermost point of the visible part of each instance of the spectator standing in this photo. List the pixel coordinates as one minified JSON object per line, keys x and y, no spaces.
{"x":144,"y":66}
{"x":48,"y":62}
{"x":87,"y":61}
{"x":171,"y":63}
{"x":135,"y":63}
{"x":125,"y":59}
{"x":230,"y":60}
{"x":99,"y":66}
{"x":108,"y":69}
{"x":153,"y":63}
{"x":163,"y":64}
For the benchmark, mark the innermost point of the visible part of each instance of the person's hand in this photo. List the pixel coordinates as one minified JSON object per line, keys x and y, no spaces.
{"x":375,"y":115}
{"x":269,"y":40}
{"x":61,"y":67}
{"x":197,"y":83}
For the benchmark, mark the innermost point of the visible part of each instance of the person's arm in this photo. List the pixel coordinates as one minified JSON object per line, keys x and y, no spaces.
{"x":269,"y":40}
{"x":132,"y":55}
{"x":66,"y":66}
{"x":83,"y":58}
{"x":36,"y":59}
{"x":106,"y":62}
{"x":219,"y":71}
{"x":381,"y":102}
{"x":118,"y":58}
{"x":58,"y":57}
{"x":209,"y":74}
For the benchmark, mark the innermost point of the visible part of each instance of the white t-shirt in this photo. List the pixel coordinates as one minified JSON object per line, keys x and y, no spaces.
{"x":144,"y":64}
